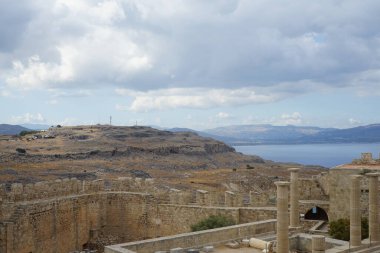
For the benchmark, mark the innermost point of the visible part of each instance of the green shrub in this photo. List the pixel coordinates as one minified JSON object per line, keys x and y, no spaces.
{"x":340,"y":229}
{"x":21,"y":150}
{"x":23,"y":133}
{"x":214,"y":221}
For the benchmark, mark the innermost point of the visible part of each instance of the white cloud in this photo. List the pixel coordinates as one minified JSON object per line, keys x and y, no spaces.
{"x":353,"y":121}
{"x":121,"y":107}
{"x":194,"y":98}
{"x":103,"y":12}
{"x":52,"y":102}
{"x":69,"y":121}
{"x":37,"y":74}
{"x":250,"y":120}
{"x":367,"y":83}
{"x":223,"y":115}
{"x":28,"y":118}
{"x":4,"y":93}
{"x":294,"y":118}
{"x":69,"y":93}
{"x":148,"y":45}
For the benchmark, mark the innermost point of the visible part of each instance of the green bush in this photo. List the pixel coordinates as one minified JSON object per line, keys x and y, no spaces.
{"x":23,"y":133}
{"x":340,"y":229}
{"x":214,"y":221}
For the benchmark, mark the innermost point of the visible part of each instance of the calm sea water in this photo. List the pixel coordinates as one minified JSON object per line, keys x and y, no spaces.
{"x":328,"y":155}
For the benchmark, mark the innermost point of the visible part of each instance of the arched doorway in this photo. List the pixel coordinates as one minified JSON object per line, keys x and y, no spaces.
{"x":316,"y":213}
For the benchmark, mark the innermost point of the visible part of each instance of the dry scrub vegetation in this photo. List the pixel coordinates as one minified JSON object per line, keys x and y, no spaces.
{"x":182,"y":160}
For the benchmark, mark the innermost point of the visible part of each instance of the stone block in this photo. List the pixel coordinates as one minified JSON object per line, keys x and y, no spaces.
{"x":176,"y":250}
{"x":208,"y":249}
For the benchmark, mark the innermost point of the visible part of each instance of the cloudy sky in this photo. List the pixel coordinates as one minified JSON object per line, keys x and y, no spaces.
{"x":190,"y":63}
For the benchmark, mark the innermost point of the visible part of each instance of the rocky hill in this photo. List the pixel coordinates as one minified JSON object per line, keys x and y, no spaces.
{"x":90,"y":152}
{"x":6,"y":129}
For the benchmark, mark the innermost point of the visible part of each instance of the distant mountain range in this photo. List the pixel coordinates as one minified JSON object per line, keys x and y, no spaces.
{"x":6,"y":129}
{"x":36,"y":126}
{"x":268,"y":134}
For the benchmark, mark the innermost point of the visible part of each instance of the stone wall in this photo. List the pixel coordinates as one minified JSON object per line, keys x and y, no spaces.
{"x":129,"y":216}
{"x":312,"y":189}
{"x":60,"y":225}
{"x":196,"y":239}
{"x":339,"y":184}
{"x":67,"y":215}
{"x":366,"y":159}
{"x":64,"y":224}
{"x":315,"y":188}
{"x":57,"y":188}
{"x":175,"y":219}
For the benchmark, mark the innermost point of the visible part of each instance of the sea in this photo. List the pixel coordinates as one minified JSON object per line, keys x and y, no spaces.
{"x":327,"y":155}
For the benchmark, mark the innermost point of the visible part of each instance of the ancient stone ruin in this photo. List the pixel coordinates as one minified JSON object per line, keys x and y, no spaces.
{"x":135,"y":215}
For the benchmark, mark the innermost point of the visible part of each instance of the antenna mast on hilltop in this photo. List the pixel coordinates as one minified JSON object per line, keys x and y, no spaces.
{"x":110,"y":120}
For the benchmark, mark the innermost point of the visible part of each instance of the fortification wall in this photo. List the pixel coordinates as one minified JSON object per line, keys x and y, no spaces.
{"x":66,"y":187}
{"x":267,"y":198}
{"x":311,"y":189}
{"x":196,"y":239}
{"x":59,"y":225}
{"x":42,"y":190}
{"x":339,"y":184}
{"x":129,"y":216}
{"x":66,"y":215}
{"x":64,"y":224}
{"x":175,"y":219}
{"x":249,"y":214}
{"x":323,"y":182}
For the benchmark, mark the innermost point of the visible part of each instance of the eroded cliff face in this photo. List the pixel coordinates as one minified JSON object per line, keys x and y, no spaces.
{"x":218,"y":148}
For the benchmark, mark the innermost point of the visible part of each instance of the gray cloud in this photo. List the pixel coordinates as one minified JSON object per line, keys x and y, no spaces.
{"x":148,"y":45}
{"x":14,"y":18}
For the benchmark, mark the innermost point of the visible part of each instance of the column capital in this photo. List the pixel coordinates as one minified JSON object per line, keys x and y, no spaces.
{"x":293,"y":169}
{"x":282,"y":183}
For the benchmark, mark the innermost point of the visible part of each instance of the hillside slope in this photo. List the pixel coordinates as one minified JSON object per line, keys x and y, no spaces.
{"x":90,"y":152}
{"x":6,"y":129}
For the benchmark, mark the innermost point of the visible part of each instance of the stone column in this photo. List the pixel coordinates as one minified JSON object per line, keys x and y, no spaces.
{"x":373,"y":221}
{"x":229,"y":198}
{"x":294,"y":198}
{"x":175,"y":196}
{"x":355,"y":215}
{"x":202,"y":198}
{"x":318,"y":244}
{"x":282,"y":217}
{"x":9,"y":237}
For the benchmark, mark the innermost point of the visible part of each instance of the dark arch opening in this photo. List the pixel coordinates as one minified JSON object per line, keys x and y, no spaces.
{"x":316,"y":213}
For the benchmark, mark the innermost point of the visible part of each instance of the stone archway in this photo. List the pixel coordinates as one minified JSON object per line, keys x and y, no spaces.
{"x":316,"y":213}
